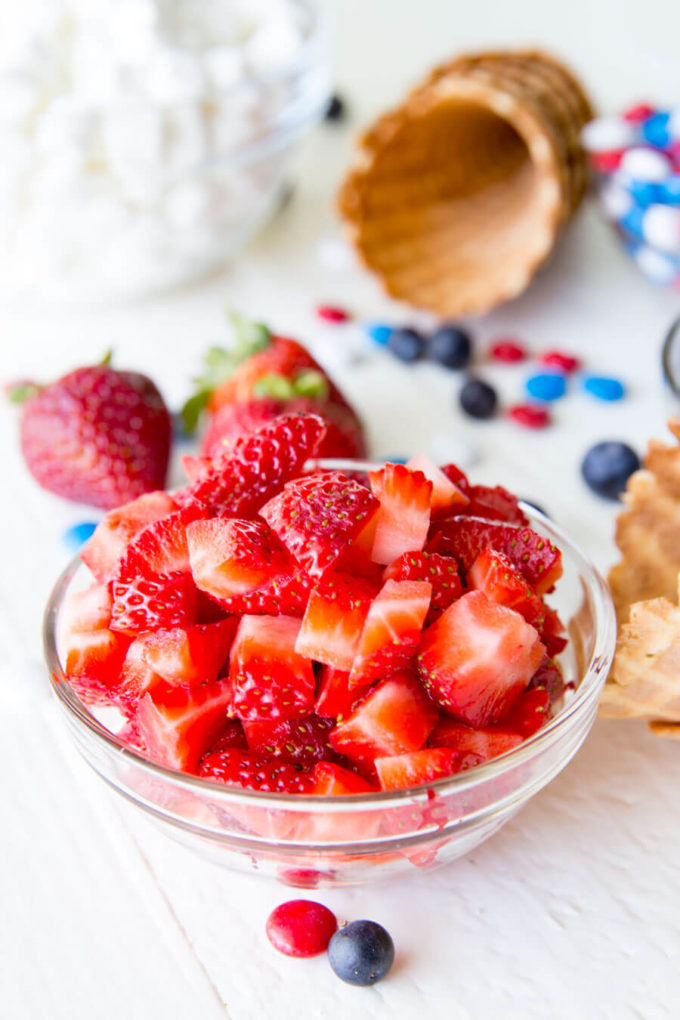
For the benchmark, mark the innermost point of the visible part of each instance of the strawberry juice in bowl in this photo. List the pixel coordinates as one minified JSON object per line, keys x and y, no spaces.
{"x":355,"y":816}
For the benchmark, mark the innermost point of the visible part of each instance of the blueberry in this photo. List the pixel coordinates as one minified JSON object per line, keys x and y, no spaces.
{"x":478,"y":399}
{"x":406,"y":344}
{"x":336,"y":108}
{"x":607,"y":467}
{"x":361,"y":953}
{"x":450,"y":346}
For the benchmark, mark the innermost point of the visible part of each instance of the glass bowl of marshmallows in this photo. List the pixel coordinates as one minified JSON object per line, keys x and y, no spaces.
{"x":144,"y":141}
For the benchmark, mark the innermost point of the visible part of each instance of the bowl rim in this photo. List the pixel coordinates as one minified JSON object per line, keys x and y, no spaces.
{"x":670,"y":377}
{"x":593,"y":679}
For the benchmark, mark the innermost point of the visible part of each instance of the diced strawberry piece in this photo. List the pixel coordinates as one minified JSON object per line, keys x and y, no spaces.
{"x":336,"y":695}
{"x":417,"y":768}
{"x":298,"y":741}
{"x":271,"y":680}
{"x":194,"y":467}
{"x":392,"y":629}
{"x":86,"y":610}
{"x":495,"y":574}
{"x":252,"y":771}
{"x":192,"y":656}
{"x":144,"y":603}
{"x":455,"y":475}
{"x":243,"y":477}
{"x":319,"y":516}
{"x":494,"y":504}
{"x":103,"y":550}
{"x":440,"y":571}
{"x":129,"y":734}
{"x":91,"y":653}
{"x":287,"y":597}
{"x":404,"y":514}
{"x":548,"y":677}
{"x":232,"y":557}
{"x":356,"y":557}
{"x":445,"y":493}
{"x":329,"y":780}
{"x":333,"y":620}
{"x":178,"y":724}
{"x":530,"y":713}
{"x":161,"y":547}
{"x":395,"y":717}
{"x":552,"y":632}
{"x":232,"y":736}
{"x":136,"y":676}
{"x":477,"y":658}
{"x":487,"y":743}
{"x":465,"y":537}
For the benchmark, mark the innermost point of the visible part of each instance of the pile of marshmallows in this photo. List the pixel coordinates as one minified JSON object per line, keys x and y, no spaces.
{"x":637,"y":157}
{"x":110,"y":111}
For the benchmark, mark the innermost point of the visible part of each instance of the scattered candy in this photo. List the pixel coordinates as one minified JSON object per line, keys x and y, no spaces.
{"x":508,"y":351}
{"x":406,"y":344}
{"x":636,"y":114}
{"x":606,"y":134}
{"x":646,"y":164}
{"x":530,"y":415}
{"x":379,"y":332}
{"x":559,"y":359}
{"x":478,"y":399}
{"x":655,"y":129}
{"x":607,"y":466}
{"x":331,"y":313}
{"x":301,"y":928}
{"x":77,"y":535}
{"x":661,"y":228}
{"x":604,"y":388}
{"x":546,"y":386}
{"x":450,"y":346}
{"x":361,"y":953}
{"x":336,"y":109}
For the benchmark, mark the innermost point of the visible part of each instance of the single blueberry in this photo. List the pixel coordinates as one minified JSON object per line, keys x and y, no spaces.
{"x":76,"y":536}
{"x":450,"y":346}
{"x":406,"y":344}
{"x":336,"y":109}
{"x":478,"y":399}
{"x":607,"y":466}
{"x":361,"y":953}
{"x":604,"y":388}
{"x":379,"y":332}
{"x":547,"y":386}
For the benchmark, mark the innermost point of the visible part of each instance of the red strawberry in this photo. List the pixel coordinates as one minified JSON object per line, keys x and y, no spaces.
{"x":392,"y":629}
{"x":336,"y":697}
{"x":277,"y":597}
{"x":418,"y":768}
{"x":333,"y":620}
{"x":395,"y":717}
{"x":445,"y":493}
{"x":97,"y":436}
{"x":478,"y":658}
{"x":92,"y":654}
{"x":317,"y":517}
{"x":494,"y":504}
{"x":192,"y":656}
{"x":231,"y":736}
{"x":301,"y":742}
{"x":552,"y":632}
{"x":530,"y":713}
{"x":271,"y":680}
{"x":486,"y":743}
{"x":136,"y":676}
{"x":231,"y":557}
{"x":440,"y":571}
{"x":404,"y":514}
{"x":103,"y":550}
{"x":495,"y":574}
{"x":241,"y":479}
{"x":329,"y":780}
{"x":252,"y":771}
{"x":548,"y":677}
{"x":465,"y":537}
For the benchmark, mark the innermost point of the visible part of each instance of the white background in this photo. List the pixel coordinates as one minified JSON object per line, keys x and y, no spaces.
{"x":573,"y":910}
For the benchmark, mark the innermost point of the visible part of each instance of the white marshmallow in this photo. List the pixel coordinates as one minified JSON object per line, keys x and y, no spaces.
{"x":616,"y":200}
{"x":646,"y":165}
{"x":607,"y":134}
{"x":661,"y":228}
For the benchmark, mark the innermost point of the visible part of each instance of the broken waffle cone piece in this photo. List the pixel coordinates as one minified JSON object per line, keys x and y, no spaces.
{"x":458,"y":196}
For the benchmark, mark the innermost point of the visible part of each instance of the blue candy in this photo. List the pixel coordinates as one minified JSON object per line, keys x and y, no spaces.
{"x":546,"y":386}
{"x":669,"y":190}
{"x":379,"y":332}
{"x":632,"y":221}
{"x":76,"y":536}
{"x":396,"y":460}
{"x":604,"y":388}
{"x":644,"y":193}
{"x":655,"y":130}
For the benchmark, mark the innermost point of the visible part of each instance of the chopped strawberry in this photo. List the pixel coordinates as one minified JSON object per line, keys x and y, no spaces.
{"x":327,"y":779}
{"x":487,"y":742}
{"x":91,"y":653}
{"x":252,"y":771}
{"x":144,"y":603}
{"x":179,"y":724}
{"x":278,"y":597}
{"x":336,"y":696}
{"x":103,"y":550}
{"x":548,"y":677}
{"x":242,"y":478}
{"x":495,"y":574}
{"x":395,"y":717}
{"x":552,"y":632}
{"x":86,"y":610}
{"x":161,"y":547}
{"x":192,"y":656}
{"x":477,"y":658}
{"x":445,"y":493}
{"x":465,"y":537}
{"x":440,"y":571}
{"x":392,"y":629}
{"x":301,"y":742}
{"x":318,"y":516}
{"x":271,"y":680}
{"x":231,"y":736}
{"x":234,"y":557}
{"x":333,"y":620}
{"x":404,"y":514}
{"x":455,"y":475}
{"x":136,"y":676}
{"x":494,"y":504}
{"x":129,"y":734}
{"x":530,"y":713}
{"x":330,"y":780}
{"x":417,"y":768}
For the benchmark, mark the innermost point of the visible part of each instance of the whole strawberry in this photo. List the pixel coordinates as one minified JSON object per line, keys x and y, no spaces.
{"x":97,"y":435}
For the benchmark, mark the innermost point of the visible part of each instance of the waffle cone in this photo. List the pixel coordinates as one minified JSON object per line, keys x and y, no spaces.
{"x":457,"y":197}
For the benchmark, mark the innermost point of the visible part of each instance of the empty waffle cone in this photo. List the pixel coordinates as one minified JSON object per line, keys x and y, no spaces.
{"x":457,"y":197}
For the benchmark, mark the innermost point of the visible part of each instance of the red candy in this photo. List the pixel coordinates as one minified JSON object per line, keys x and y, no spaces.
{"x":606,"y":162}
{"x":560,"y":360}
{"x":508,"y":351}
{"x":529,"y":415}
{"x":301,"y":928}
{"x":331,"y":313}
{"x":636,"y":114}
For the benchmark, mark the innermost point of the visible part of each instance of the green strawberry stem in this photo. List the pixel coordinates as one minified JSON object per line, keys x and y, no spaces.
{"x":18,"y":393}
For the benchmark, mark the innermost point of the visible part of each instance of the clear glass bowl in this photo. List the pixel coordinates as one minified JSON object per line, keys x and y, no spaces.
{"x":670,"y":367}
{"x":128,"y":197}
{"x":309,"y":841}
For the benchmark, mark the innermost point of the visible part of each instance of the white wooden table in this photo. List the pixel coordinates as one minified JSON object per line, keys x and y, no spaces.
{"x":573,"y":910}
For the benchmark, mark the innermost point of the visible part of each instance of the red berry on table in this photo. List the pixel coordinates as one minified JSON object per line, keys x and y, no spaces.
{"x":301,"y":928}
{"x":508,"y":351}
{"x":531,"y":416}
{"x":97,"y":435}
{"x":331,"y":313}
{"x":560,"y":360}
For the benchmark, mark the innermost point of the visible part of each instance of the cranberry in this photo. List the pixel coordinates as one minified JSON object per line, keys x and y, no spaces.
{"x":529,"y":415}
{"x":301,"y":928}
{"x":508,"y":351}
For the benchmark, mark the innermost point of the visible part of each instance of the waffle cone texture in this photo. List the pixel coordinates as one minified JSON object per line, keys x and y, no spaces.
{"x":457,"y":197}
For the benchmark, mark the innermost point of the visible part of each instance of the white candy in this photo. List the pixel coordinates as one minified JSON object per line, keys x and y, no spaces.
{"x":646,"y":165}
{"x":607,"y":134}
{"x":616,"y":200}
{"x":661,"y":228}
{"x":657,"y":267}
